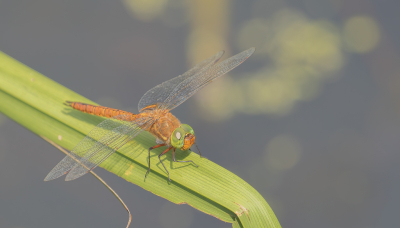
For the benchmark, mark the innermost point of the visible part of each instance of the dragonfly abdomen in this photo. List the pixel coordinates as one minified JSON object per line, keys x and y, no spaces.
{"x":100,"y":110}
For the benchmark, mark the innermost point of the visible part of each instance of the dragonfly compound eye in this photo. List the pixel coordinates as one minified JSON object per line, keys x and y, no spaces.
{"x":177,"y":139}
{"x":187,"y":129}
{"x":182,"y":137}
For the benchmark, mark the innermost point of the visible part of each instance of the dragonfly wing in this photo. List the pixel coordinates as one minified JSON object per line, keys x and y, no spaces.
{"x":160,"y":92}
{"x":98,"y":145}
{"x":192,"y":84}
{"x":63,"y":167}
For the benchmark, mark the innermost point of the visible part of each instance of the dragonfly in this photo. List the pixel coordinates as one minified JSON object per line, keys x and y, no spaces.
{"x":154,"y":116}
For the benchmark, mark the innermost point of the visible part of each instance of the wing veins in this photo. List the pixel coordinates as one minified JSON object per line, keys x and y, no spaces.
{"x":159,"y":93}
{"x":97,"y":143}
{"x":191,"y":85}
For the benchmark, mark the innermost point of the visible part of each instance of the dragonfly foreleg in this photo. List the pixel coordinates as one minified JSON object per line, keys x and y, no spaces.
{"x":198,"y":150}
{"x":173,"y":158}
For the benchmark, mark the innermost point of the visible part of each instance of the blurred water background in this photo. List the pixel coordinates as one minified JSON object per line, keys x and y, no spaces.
{"x":311,"y":120}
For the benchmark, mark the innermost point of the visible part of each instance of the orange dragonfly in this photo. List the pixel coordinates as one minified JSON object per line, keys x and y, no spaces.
{"x":154,"y":116}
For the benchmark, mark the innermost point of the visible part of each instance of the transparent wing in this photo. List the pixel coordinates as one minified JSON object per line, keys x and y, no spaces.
{"x":192,"y":84}
{"x":160,"y":92}
{"x":98,"y":145}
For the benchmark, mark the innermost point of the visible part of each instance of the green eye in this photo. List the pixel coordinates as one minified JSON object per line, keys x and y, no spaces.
{"x":187,"y":128}
{"x":177,"y":138}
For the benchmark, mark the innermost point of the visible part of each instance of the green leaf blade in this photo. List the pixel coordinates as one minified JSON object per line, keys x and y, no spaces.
{"x":36,"y":102}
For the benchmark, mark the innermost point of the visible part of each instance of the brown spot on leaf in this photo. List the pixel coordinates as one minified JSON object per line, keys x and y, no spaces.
{"x":241,"y":211}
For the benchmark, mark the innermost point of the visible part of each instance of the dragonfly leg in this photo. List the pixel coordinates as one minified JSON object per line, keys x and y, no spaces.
{"x":153,"y":147}
{"x":198,"y":150}
{"x":159,"y":157}
{"x":173,"y":157}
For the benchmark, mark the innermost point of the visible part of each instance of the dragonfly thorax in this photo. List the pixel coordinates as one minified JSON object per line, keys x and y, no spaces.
{"x":183,"y":137}
{"x":164,"y":125}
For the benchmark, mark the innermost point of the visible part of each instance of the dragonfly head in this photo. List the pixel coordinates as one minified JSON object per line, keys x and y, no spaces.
{"x":183,"y":137}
